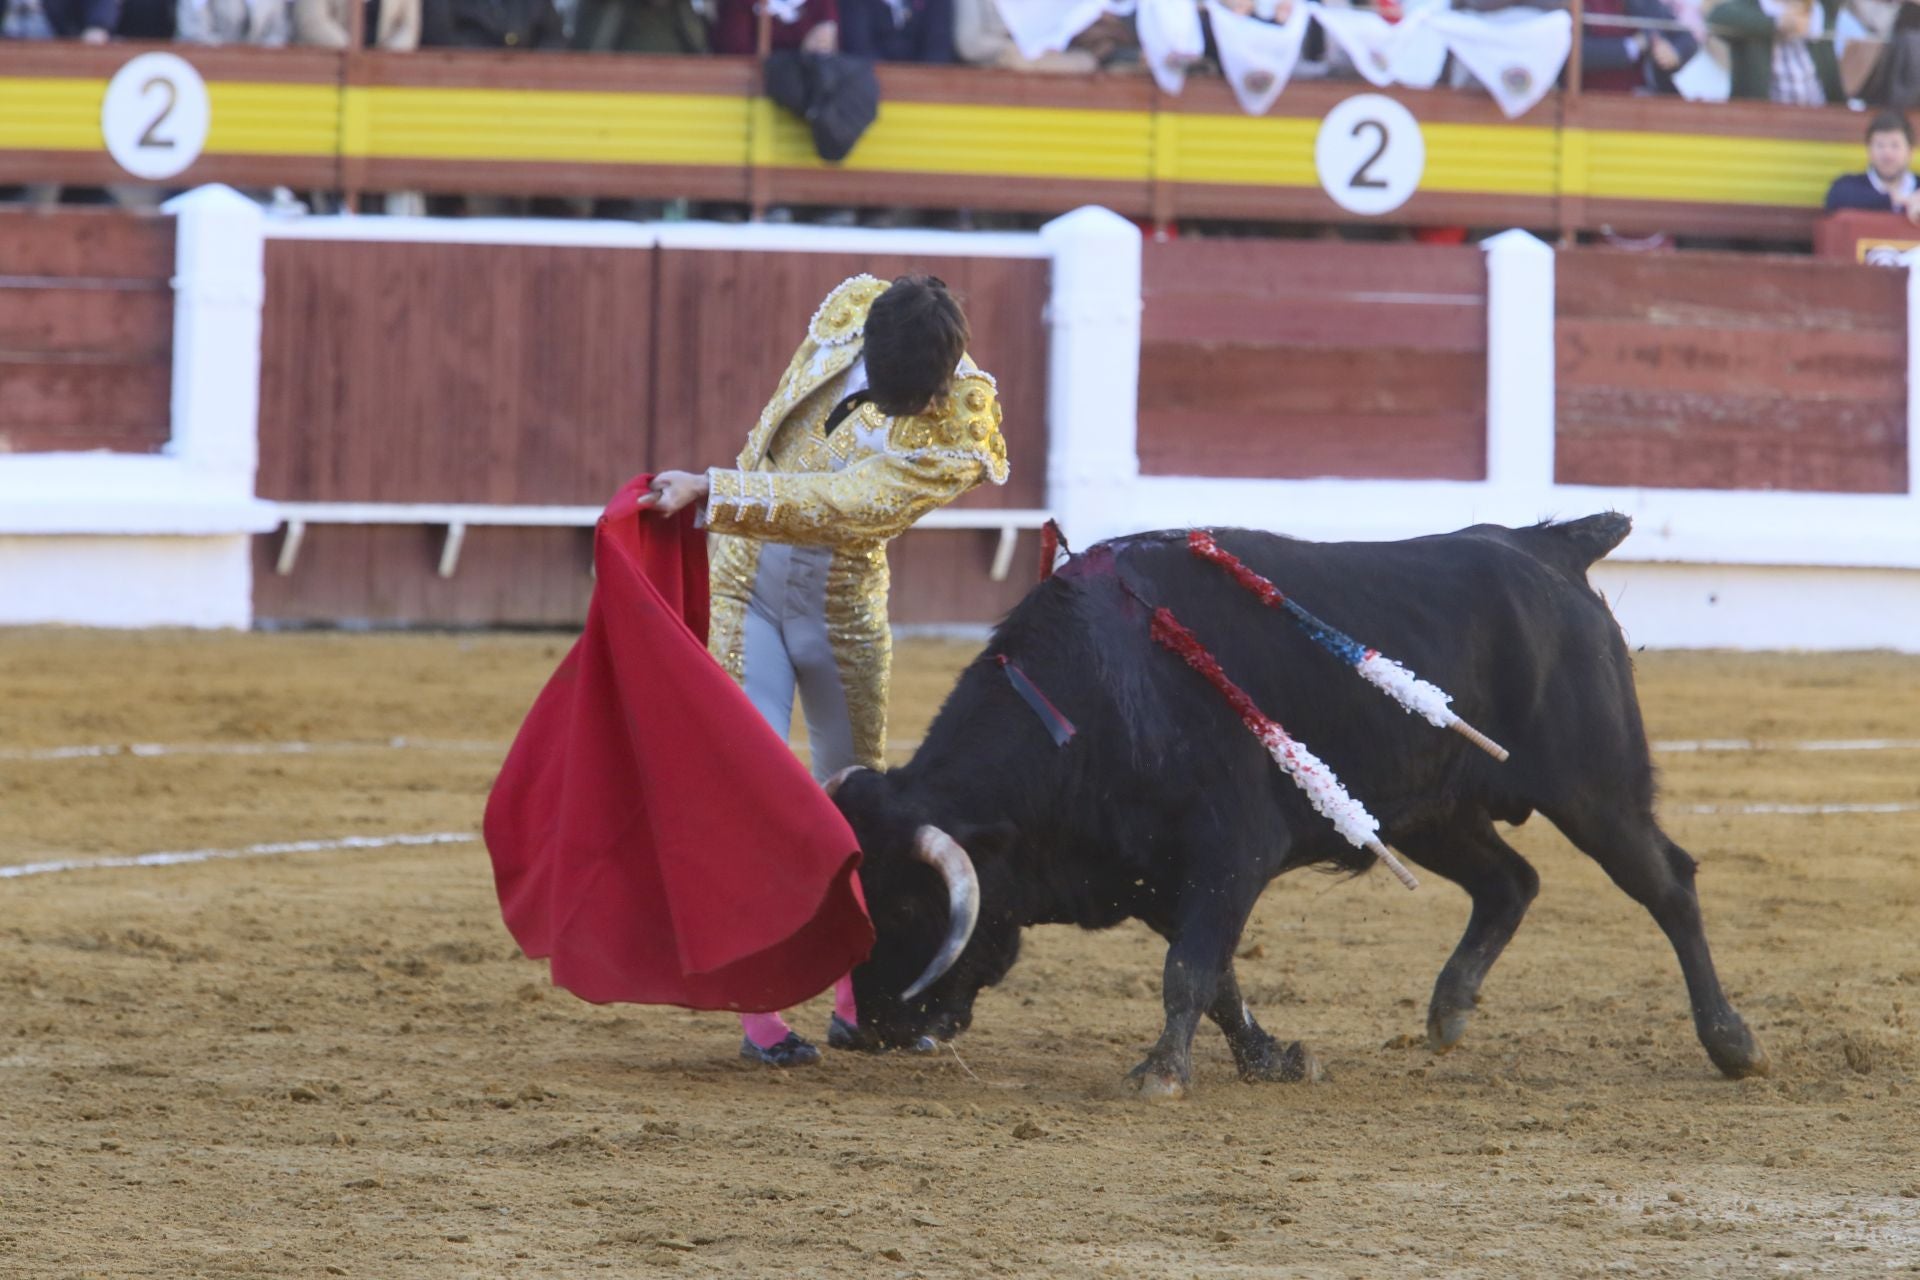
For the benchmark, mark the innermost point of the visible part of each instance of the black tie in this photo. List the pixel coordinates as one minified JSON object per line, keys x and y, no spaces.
{"x":842,"y":410}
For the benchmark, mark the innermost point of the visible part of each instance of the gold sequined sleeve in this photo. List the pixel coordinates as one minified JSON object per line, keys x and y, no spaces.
{"x":927,"y":464}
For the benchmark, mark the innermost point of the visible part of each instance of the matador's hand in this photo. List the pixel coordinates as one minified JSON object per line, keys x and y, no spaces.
{"x":672,"y":491}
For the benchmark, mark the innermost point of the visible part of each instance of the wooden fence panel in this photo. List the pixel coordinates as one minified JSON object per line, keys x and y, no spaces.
{"x":1292,"y":359}
{"x":512,"y":374}
{"x":453,"y":373}
{"x":86,"y":330}
{"x":1722,"y":371}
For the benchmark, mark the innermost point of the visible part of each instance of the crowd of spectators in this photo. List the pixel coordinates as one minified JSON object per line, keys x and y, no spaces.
{"x":1793,"y":51}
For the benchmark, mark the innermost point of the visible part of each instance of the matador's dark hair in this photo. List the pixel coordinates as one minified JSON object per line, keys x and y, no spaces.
{"x":915,"y":337}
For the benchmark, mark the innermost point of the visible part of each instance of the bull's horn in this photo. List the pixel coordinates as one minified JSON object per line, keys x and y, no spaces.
{"x":833,"y":784}
{"x":943,"y":853}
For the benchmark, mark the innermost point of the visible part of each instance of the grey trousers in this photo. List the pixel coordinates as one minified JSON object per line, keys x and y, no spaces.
{"x":786,"y":648}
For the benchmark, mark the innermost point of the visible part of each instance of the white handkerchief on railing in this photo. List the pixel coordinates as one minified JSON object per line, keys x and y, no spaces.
{"x":1170,"y":40}
{"x":1365,"y":36}
{"x":1517,"y":60}
{"x":1257,"y":57}
{"x":1416,"y":52}
{"x":1047,"y":26}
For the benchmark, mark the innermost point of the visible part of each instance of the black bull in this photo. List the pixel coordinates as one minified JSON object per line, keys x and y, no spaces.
{"x":1165,"y":809}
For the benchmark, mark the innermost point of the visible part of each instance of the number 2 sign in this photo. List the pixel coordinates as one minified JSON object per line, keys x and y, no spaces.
{"x":1370,"y":154}
{"x":154,"y":117}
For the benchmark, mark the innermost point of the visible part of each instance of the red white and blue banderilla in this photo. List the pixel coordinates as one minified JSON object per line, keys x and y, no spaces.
{"x":1311,"y":774}
{"x":1418,"y":696}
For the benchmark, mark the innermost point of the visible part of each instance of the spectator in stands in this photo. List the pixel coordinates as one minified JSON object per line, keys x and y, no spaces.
{"x":491,"y":24}
{"x":1618,"y":58}
{"x":980,"y":37}
{"x":390,"y":24}
{"x":641,"y":26}
{"x":811,"y":26}
{"x":898,"y":30}
{"x":258,"y":22}
{"x":91,"y":21}
{"x":1888,"y":185}
{"x":145,"y":20}
{"x":1779,"y":50}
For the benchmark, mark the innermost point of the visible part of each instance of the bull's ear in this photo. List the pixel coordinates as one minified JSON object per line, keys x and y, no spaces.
{"x":987,"y":841}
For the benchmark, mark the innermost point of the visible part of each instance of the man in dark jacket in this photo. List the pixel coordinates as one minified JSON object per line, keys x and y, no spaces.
{"x":90,"y":20}
{"x":491,"y":24}
{"x":898,"y":30}
{"x":1888,"y":185}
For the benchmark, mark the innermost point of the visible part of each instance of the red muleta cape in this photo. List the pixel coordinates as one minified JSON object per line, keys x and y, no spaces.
{"x":649,"y":832}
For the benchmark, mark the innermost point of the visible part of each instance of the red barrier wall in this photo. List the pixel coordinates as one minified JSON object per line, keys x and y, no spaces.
{"x":1730,"y":371}
{"x":86,"y":331}
{"x":1313,"y":358}
{"x":508,"y":375}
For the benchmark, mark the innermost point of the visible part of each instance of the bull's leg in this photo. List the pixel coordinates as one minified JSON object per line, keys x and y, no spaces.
{"x":1658,"y":874}
{"x":1258,"y":1055}
{"x":1502,"y":885}
{"x":1200,"y":952}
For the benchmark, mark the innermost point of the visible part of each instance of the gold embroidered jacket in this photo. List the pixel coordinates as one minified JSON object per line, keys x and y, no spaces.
{"x":852,"y":491}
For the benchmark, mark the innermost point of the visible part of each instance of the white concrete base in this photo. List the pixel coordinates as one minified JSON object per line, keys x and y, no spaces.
{"x":127,"y":581}
{"x":1707,"y":606}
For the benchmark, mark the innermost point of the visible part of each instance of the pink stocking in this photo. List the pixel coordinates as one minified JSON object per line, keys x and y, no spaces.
{"x":765,"y":1030}
{"x":843,"y":1004}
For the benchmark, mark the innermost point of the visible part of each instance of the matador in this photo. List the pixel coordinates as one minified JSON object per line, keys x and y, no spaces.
{"x":880,"y":418}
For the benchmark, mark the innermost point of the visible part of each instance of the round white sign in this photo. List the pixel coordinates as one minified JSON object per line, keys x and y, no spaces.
{"x":154,"y":117}
{"x":1370,"y":154}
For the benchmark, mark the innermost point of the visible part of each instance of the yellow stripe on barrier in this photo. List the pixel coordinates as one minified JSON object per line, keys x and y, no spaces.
{"x":1714,"y":170}
{"x":1277,"y":151}
{"x":977,"y":140}
{"x":981,"y":140}
{"x":271,"y":119}
{"x":392,"y":123}
{"x":51,"y":115}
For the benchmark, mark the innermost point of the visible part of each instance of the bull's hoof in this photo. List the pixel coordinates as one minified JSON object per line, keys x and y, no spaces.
{"x":1737,"y":1053}
{"x":1445,"y":1027}
{"x":1292,"y":1063}
{"x":1150,"y":1080}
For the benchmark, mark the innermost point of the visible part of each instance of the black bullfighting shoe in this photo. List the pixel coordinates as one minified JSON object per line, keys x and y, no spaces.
{"x":842,"y":1034}
{"x":791,"y":1052}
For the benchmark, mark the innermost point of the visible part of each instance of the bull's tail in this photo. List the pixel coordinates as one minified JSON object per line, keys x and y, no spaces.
{"x":1576,"y":544}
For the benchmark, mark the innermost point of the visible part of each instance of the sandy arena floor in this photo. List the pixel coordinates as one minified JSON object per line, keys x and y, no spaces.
{"x":334,"y":1062}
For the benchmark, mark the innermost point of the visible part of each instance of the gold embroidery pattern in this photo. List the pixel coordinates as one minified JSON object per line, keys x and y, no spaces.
{"x":843,"y":315}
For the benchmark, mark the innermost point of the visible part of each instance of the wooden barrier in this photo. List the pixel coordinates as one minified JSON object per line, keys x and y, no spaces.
{"x":529,"y":375}
{"x":465,"y":122}
{"x":1725,"y":371}
{"x":1311,"y":358}
{"x":86,"y":331}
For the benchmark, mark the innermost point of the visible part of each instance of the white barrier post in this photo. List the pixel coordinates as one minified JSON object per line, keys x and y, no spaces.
{"x":1093,"y":373}
{"x":1520,"y":363}
{"x":1912,"y":261}
{"x":219,"y":287}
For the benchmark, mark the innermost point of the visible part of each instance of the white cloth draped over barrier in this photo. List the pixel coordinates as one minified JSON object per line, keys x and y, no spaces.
{"x":1516,"y":53}
{"x":1257,"y":57}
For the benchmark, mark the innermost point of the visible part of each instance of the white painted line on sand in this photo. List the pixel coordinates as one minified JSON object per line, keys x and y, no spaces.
{"x":1681,"y":746}
{"x":1796,"y":809}
{"x":175,"y":858}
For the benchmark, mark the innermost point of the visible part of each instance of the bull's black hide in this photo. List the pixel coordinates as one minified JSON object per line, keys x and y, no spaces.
{"x":1163,"y":808}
